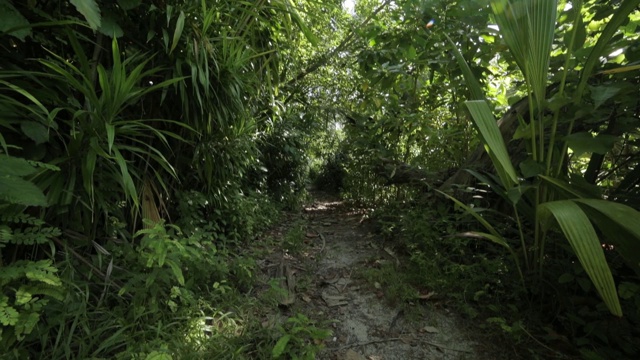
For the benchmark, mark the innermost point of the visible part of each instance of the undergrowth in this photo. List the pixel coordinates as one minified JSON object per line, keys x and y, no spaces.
{"x":560,"y":317}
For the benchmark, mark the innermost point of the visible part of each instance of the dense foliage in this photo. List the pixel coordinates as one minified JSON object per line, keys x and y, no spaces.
{"x":143,"y":145}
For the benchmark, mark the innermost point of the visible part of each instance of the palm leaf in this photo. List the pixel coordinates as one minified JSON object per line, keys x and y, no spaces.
{"x":494,"y":143}
{"x":580,"y":233}
{"x":620,"y":224}
{"x":528,"y":28}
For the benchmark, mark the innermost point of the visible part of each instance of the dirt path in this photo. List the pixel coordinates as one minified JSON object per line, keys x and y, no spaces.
{"x":365,"y":326}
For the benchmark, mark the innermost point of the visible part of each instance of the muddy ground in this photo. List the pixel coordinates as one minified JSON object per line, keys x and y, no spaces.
{"x":322,"y":283}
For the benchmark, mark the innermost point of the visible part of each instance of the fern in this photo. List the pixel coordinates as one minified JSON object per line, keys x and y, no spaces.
{"x":8,"y":315}
{"x":36,"y":281}
{"x":32,"y":235}
{"x":21,"y":219}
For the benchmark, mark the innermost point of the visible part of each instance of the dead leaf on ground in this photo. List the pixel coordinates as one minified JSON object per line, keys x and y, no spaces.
{"x":427,"y":296}
{"x":334,"y":300}
{"x":430,"y":329}
{"x":352,"y":355}
{"x":312,"y":235}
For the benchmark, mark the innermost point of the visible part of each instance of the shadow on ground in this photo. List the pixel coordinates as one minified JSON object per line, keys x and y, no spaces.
{"x":364,"y":325}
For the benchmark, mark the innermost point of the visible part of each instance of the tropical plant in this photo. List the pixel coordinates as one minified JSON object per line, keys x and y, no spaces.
{"x":544,"y":193}
{"x":26,"y":285}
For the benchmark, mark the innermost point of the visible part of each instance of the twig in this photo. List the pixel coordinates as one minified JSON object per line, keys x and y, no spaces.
{"x":324,"y":241}
{"x":395,"y":339}
{"x":541,"y":344}
{"x":364,"y":343}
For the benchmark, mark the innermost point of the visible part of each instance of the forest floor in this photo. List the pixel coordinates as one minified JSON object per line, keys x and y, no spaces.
{"x":323,"y":279}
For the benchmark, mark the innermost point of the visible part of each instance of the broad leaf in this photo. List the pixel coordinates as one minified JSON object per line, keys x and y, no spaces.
{"x":621,"y":226}
{"x":492,"y":138}
{"x":584,"y":142}
{"x":90,"y":10}
{"x":129,"y":4}
{"x":109,"y":26}
{"x":35,"y":131}
{"x":11,"y":18}
{"x":14,"y":166}
{"x":580,"y":233}
{"x":472,"y":81}
{"x":15,"y":190}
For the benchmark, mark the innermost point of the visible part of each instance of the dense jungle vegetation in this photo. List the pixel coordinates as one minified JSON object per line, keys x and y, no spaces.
{"x":145,"y":145}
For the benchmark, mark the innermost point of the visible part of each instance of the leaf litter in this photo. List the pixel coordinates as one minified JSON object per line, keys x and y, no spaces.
{"x":364,"y":326}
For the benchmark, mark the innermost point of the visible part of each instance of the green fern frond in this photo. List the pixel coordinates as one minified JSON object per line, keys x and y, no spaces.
{"x":8,"y":315}
{"x":27,"y":321}
{"x":21,"y":219}
{"x":42,"y":271}
{"x":34,"y":235}
{"x":56,"y":292}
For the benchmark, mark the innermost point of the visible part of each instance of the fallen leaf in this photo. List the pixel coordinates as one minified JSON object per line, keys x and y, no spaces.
{"x":426,"y":296}
{"x":430,"y":329}
{"x":352,"y":355}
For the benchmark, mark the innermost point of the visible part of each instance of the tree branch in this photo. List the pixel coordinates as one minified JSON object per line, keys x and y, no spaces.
{"x":324,"y":58}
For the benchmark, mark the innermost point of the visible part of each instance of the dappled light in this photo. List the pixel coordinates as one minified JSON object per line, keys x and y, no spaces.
{"x":319,"y":179}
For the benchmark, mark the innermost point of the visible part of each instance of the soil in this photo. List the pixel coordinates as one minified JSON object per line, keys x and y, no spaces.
{"x":323,"y":283}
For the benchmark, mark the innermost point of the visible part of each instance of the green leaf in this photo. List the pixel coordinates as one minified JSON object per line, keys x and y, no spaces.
{"x":19,"y":191}
{"x":26,"y":323}
{"x":619,"y":17}
{"x":178,"y":32}
{"x":110,"y":27}
{"x":481,"y":235}
{"x":111,"y":134}
{"x":90,"y":10}
{"x":566,"y":278}
{"x":11,"y":18}
{"x":411,"y":53}
{"x":129,"y":4}
{"x":280,"y":346}
{"x":600,"y":94}
{"x":584,"y":142}
{"x":177,"y":272}
{"x":580,"y":233}
{"x":620,"y":225}
{"x":528,"y":28}
{"x":573,"y":189}
{"x":8,"y":315}
{"x":157,"y":355}
{"x":472,"y":81}
{"x":14,"y":166}
{"x":23,"y":296}
{"x":127,"y":181}
{"x":531,"y":168}
{"x":300,"y":23}
{"x":35,"y":131}
{"x":492,"y":138}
